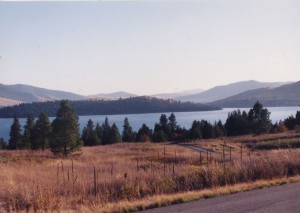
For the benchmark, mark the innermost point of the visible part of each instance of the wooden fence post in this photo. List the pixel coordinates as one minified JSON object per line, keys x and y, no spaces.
{"x":207,"y":156}
{"x":200,"y":157}
{"x":241,"y":153}
{"x":95,"y":182}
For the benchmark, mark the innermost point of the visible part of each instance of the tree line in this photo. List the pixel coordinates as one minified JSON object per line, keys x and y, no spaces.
{"x":62,"y":136}
{"x":105,"y":107}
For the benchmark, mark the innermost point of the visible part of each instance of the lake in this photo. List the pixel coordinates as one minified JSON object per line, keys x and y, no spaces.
{"x":184,"y":119}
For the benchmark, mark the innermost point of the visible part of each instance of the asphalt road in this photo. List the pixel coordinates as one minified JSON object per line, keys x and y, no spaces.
{"x":278,"y":199}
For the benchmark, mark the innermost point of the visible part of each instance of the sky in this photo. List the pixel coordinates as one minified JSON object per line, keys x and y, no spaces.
{"x":148,"y":47}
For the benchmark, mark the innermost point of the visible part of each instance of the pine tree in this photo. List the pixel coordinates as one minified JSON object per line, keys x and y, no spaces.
{"x":41,"y":133}
{"x":27,"y":136}
{"x":219,"y":129}
{"x":237,"y":123}
{"x":127,"y":134}
{"x":159,"y":135}
{"x":195,"y":131}
{"x":207,"y":130}
{"x":172,"y":123}
{"x":89,"y":135}
{"x":65,"y":131}
{"x":3,"y":144}
{"x":99,"y":132}
{"x":259,"y":119}
{"x":105,"y":132}
{"x":144,"y":134}
{"x":163,"y":122}
{"x":114,"y":134}
{"x":15,"y":140}
{"x":172,"y":126}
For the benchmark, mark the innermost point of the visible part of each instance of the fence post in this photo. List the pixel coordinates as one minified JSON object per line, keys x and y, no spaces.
{"x":95,"y":182}
{"x":72,"y":172}
{"x":200,"y":157}
{"x":173,"y":169}
{"x":241,"y":153}
{"x":57,"y":174}
{"x":158,"y":155}
{"x":164,"y":161}
{"x":151,"y":167}
{"x":224,"y":151}
{"x":207,"y":156}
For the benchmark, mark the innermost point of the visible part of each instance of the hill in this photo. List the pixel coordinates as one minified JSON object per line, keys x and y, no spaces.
{"x":8,"y":102}
{"x":25,"y":93}
{"x":286,"y":95}
{"x":221,"y":92}
{"x":103,"y":107}
{"x":112,"y":96}
{"x":177,"y":95}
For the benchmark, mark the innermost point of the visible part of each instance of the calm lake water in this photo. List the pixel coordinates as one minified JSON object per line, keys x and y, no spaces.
{"x":184,"y":119}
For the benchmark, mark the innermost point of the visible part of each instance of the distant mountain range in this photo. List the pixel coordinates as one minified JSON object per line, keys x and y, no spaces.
{"x":221,"y":92}
{"x":177,"y":95}
{"x":20,"y":93}
{"x":239,"y":94}
{"x":286,"y":95}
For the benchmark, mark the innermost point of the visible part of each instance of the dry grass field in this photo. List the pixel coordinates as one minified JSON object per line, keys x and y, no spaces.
{"x":103,"y":178}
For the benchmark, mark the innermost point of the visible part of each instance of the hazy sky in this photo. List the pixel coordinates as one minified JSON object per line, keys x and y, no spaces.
{"x":148,"y":47}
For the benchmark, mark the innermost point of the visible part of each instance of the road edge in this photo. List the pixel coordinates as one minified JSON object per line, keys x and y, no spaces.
{"x":184,"y":197}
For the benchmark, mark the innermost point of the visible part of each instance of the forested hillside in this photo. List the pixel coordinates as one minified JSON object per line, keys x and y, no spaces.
{"x":286,"y":95}
{"x":101,"y":107}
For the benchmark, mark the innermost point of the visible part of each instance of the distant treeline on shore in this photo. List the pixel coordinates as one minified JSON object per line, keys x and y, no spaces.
{"x":134,"y":105}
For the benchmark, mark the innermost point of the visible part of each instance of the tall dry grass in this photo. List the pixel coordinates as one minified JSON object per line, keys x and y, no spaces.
{"x":36,"y":181}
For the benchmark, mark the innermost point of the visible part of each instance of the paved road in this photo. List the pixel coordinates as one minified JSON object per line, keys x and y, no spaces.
{"x":279,"y":199}
{"x":195,"y":148}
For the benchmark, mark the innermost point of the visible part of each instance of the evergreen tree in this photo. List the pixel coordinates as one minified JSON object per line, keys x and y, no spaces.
{"x":105,"y":132}
{"x":15,"y":140}
{"x":65,"y":137}
{"x":89,"y":135}
{"x":163,"y":122}
{"x":3,"y":144}
{"x":27,"y":136}
{"x":144,"y":134}
{"x":172,"y":125}
{"x":219,"y":129}
{"x":99,"y":132}
{"x":159,"y":135}
{"x":291,"y":122}
{"x":114,"y":134}
{"x":259,"y":119}
{"x":127,"y":134}
{"x":207,"y":130}
{"x":41,"y":132}
{"x":195,"y":131}
{"x":237,"y":123}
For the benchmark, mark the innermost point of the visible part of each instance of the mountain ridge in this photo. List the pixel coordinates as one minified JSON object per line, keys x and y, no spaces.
{"x":26,"y":93}
{"x":224,"y":91}
{"x":112,"y":96}
{"x":21,"y":93}
{"x":285,"y":95}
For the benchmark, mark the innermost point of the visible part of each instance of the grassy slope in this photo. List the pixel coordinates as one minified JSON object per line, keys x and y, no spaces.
{"x":134,"y":176}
